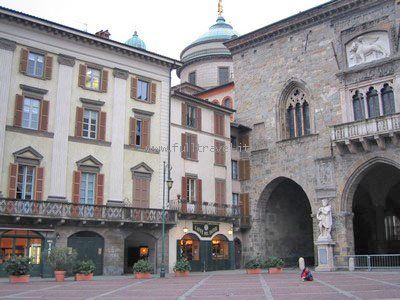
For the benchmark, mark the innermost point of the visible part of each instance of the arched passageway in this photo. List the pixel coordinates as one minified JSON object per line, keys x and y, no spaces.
{"x":286,"y":213}
{"x":138,"y":246}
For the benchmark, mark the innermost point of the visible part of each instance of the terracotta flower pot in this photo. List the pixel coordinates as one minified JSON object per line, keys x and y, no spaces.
{"x":275,"y":270}
{"x":253,"y":271}
{"x":59,"y":275}
{"x":83,"y":277}
{"x":181,"y":273}
{"x":19,"y":279}
{"x":142,"y":275}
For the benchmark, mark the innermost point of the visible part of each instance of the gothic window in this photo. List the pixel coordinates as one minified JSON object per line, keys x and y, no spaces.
{"x":373,"y":103}
{"x":387,"y":100}
{"x":297,"y":114}
{"x":358,"y":106}
{"x":299,"y":120}
{"x":306,"y":118}
{"x":290,"y":121}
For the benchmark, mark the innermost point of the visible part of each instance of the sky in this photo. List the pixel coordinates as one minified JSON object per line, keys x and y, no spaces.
{"x":166,"y":26}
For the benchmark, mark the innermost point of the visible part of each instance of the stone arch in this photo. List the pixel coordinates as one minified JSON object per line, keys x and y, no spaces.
{"x":227,"y":100}
{"x":215,"y":101}
{"x":134,"y":243}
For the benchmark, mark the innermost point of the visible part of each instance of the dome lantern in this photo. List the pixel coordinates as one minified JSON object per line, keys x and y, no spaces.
{"x":136,"y":42}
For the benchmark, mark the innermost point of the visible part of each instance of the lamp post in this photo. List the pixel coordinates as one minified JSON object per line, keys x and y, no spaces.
{"x":169,"y":182}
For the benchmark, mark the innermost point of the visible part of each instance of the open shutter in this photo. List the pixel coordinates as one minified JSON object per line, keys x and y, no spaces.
{"x":19,"y":106}
{"x":23,"y":62}
{"x":39,"y":183}
{"x":183,"y":145}
{"x":153,"y":92}
{"x":194,"y":148}
{"x":244,"y":142}
{"x":134,"y":87}
{"x":48,"y":68}
{"x":76,"y":187}
{"x":244,"y":169}
{"x":136,"y":191}
{"x":145,"y":192}
{"x":100,"y":189}
{"x":184,"y":112}
{"x":132,"y":131}
{"x":79,"y":122}
{"x":222,"y":153}
{"x":82,"y":76}
{"x":183,"y":198}
{"x":244,"y":204}
{"x":198,"y":118}
{"x":12,"y":181}
{"x":102,"y":126}
{"x":44,"y":115}
{"x":199,"y":204}
{"x":145,"y":133}
{"x":104,"y":81}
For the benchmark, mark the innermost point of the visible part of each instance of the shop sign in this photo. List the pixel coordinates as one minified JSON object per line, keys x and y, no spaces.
{"x":205,"y":230}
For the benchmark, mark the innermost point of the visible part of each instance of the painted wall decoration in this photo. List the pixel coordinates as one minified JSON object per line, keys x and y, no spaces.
{"x":205,"y":230}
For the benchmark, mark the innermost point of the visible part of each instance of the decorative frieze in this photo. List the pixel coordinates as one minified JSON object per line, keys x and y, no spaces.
{"x":7,"y":44}
{"x":119,"y":73}
{"x":66,"y":60}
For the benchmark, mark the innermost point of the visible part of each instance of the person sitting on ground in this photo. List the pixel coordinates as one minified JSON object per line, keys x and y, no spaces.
{"x":306,"y":275}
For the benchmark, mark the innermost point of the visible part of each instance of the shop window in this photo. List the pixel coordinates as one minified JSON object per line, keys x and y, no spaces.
{"x":21,"y":243}
{"x":189,"y":248}
{"x":220,"y":247}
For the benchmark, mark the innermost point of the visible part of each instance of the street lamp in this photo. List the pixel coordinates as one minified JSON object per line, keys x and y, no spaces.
{"x":169,"y":182}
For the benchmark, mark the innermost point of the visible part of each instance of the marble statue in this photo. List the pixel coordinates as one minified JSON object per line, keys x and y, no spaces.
{"x":324,"y":216}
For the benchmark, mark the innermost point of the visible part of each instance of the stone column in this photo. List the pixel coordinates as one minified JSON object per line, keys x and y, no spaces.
{"x":380,"y":228}
{"x":117,"y":138}
{"x":7,"y":49}
{"x":58,"y":176}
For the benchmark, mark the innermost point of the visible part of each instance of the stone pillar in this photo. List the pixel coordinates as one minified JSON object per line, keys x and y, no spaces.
{"x":58,"y":176}
{"x":380,"y":228}
{"x":117,"y":138}
{"x":344,"y":236}
{"x":7,"y":49}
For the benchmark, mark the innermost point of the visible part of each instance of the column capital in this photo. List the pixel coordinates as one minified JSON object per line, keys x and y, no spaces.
{"x":66,"y":60}
{"x":119,"y":73}
{"x":7,"y":44}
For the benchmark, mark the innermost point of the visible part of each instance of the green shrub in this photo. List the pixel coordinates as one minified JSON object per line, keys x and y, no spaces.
{"x":255,"y":263}
{"x":274,"y":262}
{"x":85,"y":267}
{"x":143,"y":266}
{"x":182,"y":265}
{"x":61,"y":259}
{"x":18,"y":266}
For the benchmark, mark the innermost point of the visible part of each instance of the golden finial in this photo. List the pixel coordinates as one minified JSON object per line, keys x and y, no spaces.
{"x":220,"y":8}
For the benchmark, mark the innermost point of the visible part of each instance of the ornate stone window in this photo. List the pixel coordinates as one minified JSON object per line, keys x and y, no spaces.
{"x":297,"y":114}
{"x":388,"y":100}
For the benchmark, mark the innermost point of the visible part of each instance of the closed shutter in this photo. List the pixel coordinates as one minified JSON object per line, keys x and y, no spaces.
{"x":102,"y":126}
{"x":136,"y":192}
{"x":100,"y":189}
{"x":134,"y":87}
{"x":23,"y":62}
{"x":153,"y":92}
{"x":194,"y":148}
{"x":244,"y":204}
{"x":48,"y":68}
{"x":199,"y":204}
{"x":79,"y":122}
{"x":222,"y":153}
{"x":198,"y":118}
{"x":183,"y":146}
{"x":145,"y":133}
{"x":219,"y":153}
{"x":12,"y":181}
{"x":244,"y":169}
{"x":76,"y":187}
{"x":216,"y":125}
{"x":132,"y":131}
{"x":145,"y":192}
{"x":218,"y":195}
{"x":244,"y":141}
{"x":184,"y":196}
{"x":82,"y":76}
{"x":219,"y":124}
{"x":44,"y":115}
{"x":19,"y":107}
{"x":104,"y":81}
{"x":184,"y":112}
{"x":39,"y":184}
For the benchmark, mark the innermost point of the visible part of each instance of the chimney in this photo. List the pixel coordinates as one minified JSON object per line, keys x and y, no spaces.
{"x":103,"y":34}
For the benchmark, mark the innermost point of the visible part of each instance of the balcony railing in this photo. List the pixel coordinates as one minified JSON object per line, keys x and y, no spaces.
{"x":362,"y":133}
{"x":205,"y":209}
{"x":71,"y":211}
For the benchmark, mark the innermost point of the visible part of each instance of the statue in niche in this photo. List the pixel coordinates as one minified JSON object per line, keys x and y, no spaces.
{"x":368,"y":48}
{"x":324,"y":216}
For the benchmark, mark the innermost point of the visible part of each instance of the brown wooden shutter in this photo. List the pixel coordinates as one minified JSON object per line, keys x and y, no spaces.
{"x":184,"y":196}
{"x":136,"y":191}
{"x":145,"y":133}
{"x":194,"y":148}
{"x":153,"y":92}
{"x":104,"y":81}
{"x":76,"y":187}
{"x":199,"y":204}
{"x":216,"y":152}
{"x":184,"y":113}
{"x":244,"y":141}
{"x":48,"y":68}
{"x":79,"y":122}
{"x":222,"y":125}
{"x":44,"y":115}
{"x":39,"y":185}
{"x":198,"y":118}
{"x":102,"y":126}
{"x":222,"y":153}
{"x":223,"y":192}
{"x":100,"y":189}
{"x":82,"y":76}
{"x":132,"y":131}
{"x":12,"y":181}
{"x":244,"y":169}
{"x":244,"y":204}
{"x":19,"y":107}
{"x":134,"y":87}
{"x":216,"y":126}
{"x":219,"y":154}
{"x":183,"y":146}
{"x":23,"y":62}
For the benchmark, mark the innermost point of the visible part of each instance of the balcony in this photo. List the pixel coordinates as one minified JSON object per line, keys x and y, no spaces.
{"x":63,"y":212}
{"x":364,"y":135}
{"x":205,"y":210}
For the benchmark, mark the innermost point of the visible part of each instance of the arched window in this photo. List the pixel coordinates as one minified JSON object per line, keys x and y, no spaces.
{"x":306,"y":118}
{"x":373,"y":103}
{"x":189,"y":247}
{"x":220,"y":247}
{"x":215,"y":101}
{"x":297,"y":114}
{"x":290,"y":121}
{"x":388,"y":100}
{"x":358,"y":106}
{"x":227,"y":102}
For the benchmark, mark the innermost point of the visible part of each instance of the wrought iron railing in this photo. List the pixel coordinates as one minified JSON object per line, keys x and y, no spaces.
{"x":67,"y":210}
{"x":205,"y":209}
{"x":369,"y":262}
{"x":364,"y":128}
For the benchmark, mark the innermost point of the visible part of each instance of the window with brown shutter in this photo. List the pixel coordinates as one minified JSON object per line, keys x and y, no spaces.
{"x":244,"y":169}
{"x":102,"y":126}
{"x":134,"y":87}
{"x":199,"y":198}
{"x":82,"y":76}
{"x":39,"y":183}
{"x":76,"y":187}
{"x":184,"y":195}
{"x":23,"y":62}
{"x":19,"y":106}
{"x":219,"y":153}
{"x":219,"y":124}
{"x":100,"y":189}
{"x":153,"y":92}
{"x":190,"y":147}
{"x":198,"y":118}
{"x":48,"y":67}
{"x":244,"y":204}
{"x":243,"y":142}
{"x":104,"y":81}
{"x":139,"y":132}
{"x":183,"y":114}
{"x":141,"y":190}
{"x":44,"y":115}
{"x":12,"y":181}
{"x":31,"y":113}
{"x":220,"y":196}
{"x":79,"y":122}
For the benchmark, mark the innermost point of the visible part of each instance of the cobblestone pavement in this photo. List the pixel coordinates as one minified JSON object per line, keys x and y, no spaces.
{"x":219,"y":285}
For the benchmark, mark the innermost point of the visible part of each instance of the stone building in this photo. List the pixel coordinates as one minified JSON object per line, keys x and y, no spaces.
{"x":320,"y":92}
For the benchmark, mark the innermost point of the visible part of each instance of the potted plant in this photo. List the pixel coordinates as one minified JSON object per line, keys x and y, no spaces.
{"x":182,"y":268}
{"x":84,"y":270}
{"x":18,"y":269}
{"x":274,"y":265}
{"x":61,"y":260}
{"x":142,"y":269}
{"x":254,"y":266}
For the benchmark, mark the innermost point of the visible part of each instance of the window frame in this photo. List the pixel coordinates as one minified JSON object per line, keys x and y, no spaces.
{"x":194,"y":74}
{"x":89,"y":131}
{"x":191,"y":189}
{"x":30,"y":114}
{"x":24,"y":183}
{"x":89,"y":68}
{"x":219,"y":75}
{"x":140,"y":81}
{"x":35,"y":66}
{"x":191,"y":116}
{"x":235,"y":169}
{"x":86,"y":189}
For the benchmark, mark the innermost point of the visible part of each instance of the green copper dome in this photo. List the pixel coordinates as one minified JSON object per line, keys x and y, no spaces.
{"x":219,"y":31}
{"x":136,"y":42}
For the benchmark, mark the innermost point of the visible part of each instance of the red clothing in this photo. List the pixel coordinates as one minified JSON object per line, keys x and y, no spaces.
{"x":306,"y":275}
